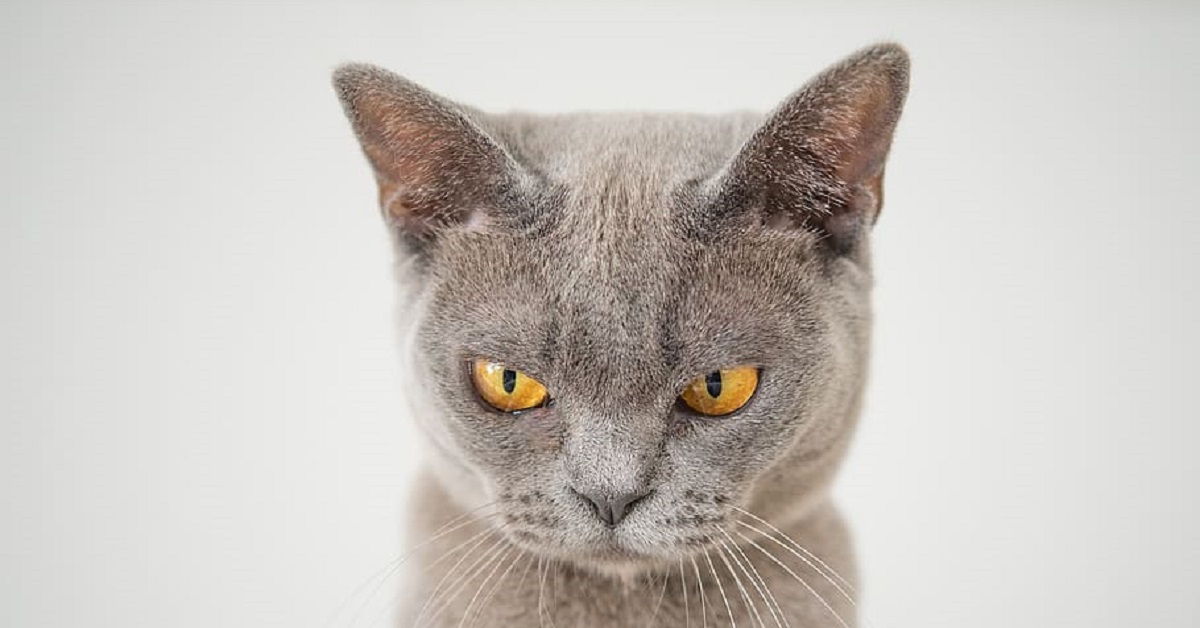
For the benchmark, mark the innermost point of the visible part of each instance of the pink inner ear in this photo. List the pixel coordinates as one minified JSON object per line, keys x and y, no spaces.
{"x":433,"y":165}
{"x":865,"y":134}
{"x":393,"y":202}
{"x":818,"y":160}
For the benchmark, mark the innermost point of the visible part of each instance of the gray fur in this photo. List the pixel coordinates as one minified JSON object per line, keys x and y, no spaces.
{"x":614,"y":257}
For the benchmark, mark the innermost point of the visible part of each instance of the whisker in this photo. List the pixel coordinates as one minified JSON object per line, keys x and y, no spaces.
{"x":553,"y":592}
{"x":721,"y":588}
{"x":755,"y":579}
{"x":807,"y":562}
{"x":798,"y":578}
{"x":525,"y":572}
{"x":658,"y":605}
{"x":516,"y":560}
{"x":500,"y":581}
{"x":541,"y":590}
{"x":722,"y":550}
{"x":471,"y":604}
{"x":703,"y":596}
{"x":687,"y":610}
{"x":443,"y":599}
{"x":541,"y":587}
{"x":800,"y":547}
{"x":491,"y":559}
{"x":475,"y":540}
{"x":469,"y":546}
{"x":390,"y":568}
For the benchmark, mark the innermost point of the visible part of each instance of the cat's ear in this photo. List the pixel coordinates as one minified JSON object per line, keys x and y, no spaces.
{"x":818,"y":160}
{"x":434,"y":166}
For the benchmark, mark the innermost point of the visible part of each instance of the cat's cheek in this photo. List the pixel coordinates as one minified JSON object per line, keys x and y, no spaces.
{"x":541,"y":429}
{"x":496,"y":439}
{"x":682,"y":425}
{"x":739,"y":448}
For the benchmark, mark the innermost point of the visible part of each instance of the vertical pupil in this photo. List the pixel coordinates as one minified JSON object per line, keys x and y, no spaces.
{"x":510,"y":380}
{"x":712,"y":383}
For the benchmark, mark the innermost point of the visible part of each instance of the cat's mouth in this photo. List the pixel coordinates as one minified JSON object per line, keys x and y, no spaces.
{"x":615,"y":551}
{"x":624,"y":562}
{"x":652,"y":534}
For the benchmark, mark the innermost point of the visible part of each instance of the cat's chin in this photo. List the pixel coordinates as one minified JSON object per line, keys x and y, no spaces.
{"x":617,"y":565}
{"x":628,"y":571}
{"x":614,"y":561}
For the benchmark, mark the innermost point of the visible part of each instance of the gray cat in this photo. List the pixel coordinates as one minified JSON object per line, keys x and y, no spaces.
{"x":636,"y":345}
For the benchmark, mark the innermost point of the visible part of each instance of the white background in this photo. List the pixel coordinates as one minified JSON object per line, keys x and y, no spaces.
{"x":201,"y":413}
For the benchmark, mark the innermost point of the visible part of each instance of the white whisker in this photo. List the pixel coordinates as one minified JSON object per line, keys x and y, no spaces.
{"x":755,"y":579}
{"x":429,"y":610}
{"x":541,"y":588}
{"x":545,"y":577}
{"x":525,"y":572}
{"x":723,"y":551}
{"x":500,"y":581}
{"x":474,"y":541}
{"x":798,"y":546}
{"x":797,"y":577}
{"x":553,"y":594}
{"x":389,"y":569}
{"x":495,"y":588}
{"x":805,"y":560}
{"x":687,"y":610}
{"x":721,"y":588}
{"x":658,"y":605}
{"x":483,"y":584}
{"x":703,"y":596}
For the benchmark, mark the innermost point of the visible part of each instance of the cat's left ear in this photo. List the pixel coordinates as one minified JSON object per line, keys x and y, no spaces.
{"x":817,"y":162}
{"x":434,"y":165}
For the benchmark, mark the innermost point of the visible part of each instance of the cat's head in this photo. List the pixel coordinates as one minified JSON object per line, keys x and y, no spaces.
{"x":623,"y":328}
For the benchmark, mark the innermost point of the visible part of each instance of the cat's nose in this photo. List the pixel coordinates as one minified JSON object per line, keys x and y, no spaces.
{"x":612,"y":510}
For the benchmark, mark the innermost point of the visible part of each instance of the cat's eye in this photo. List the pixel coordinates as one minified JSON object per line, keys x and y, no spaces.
{"x":506,"y":389}
{"x":721,"y":392}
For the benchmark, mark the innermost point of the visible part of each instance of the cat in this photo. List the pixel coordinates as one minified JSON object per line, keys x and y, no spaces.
{"x":635,"y":345}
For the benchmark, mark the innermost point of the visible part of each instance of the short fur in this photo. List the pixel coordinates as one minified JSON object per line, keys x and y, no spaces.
{"x":615,"y":257}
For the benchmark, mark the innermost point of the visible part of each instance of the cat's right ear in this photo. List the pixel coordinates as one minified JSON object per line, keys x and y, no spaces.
{"x":817,"y":161}
{"x":434,"y":166}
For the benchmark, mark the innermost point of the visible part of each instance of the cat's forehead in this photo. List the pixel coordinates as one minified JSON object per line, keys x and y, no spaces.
{"x":635,"y":150}
{"x":615,"y":282}
{"x":618,"y":176}
{"x":616,"y":270}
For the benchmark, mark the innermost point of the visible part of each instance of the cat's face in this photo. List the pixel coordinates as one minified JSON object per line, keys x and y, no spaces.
{"x":599,"y":269}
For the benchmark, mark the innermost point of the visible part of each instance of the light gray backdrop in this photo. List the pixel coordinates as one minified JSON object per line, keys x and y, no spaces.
{"x":201,"y":423}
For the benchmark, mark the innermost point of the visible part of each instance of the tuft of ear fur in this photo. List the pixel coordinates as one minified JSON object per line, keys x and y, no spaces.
{"x":818,"y":160}
{"x":434,"y":166}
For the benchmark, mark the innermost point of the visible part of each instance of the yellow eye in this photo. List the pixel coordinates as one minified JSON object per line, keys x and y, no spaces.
{"x":505,"y":389}
{"x":721,"y":392}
